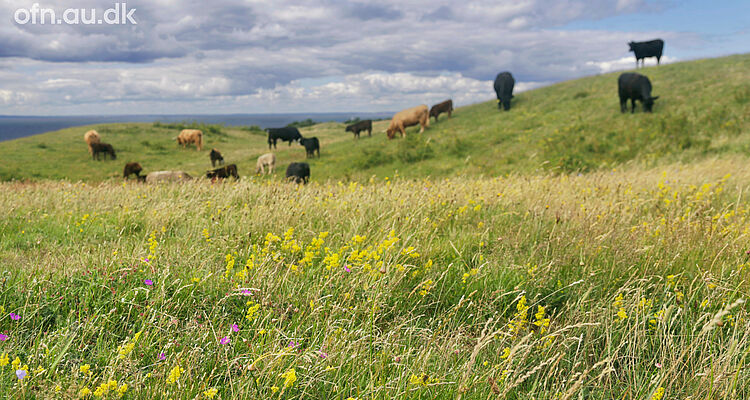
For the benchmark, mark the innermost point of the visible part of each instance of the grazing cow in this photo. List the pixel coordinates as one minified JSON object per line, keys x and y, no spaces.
{"x":642,"y":50}
{"x":311,"y":145}
{"x":409,"y":117}
{"x":286,"y":134}
{"x":504,"y":83}
{"x":298,"y":172}
{"x":635,"y":87}
{"x":167,"y":176}
{"x":132,"y":168}
{"x":266,"y":160}
{"x":444,"y":107}
{"x":188,"y":136}
{"x":98,"y":148}
{"x":360,"y":126}
{"x":92,"y":137}
{"x":216,"y":157}
{"x":223,"y":172}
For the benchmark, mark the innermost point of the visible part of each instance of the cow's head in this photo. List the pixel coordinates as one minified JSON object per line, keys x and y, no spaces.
{"x":390,"y":132}
{"x":630,"y":44}
{"x":648,"y":104}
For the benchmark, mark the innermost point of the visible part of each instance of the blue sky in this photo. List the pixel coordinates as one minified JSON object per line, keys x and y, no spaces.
{"x":261,"y":56}
{"x":722,"y":27}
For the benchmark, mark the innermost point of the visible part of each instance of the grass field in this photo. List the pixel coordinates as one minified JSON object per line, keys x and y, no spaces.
{"x":563,"y":263}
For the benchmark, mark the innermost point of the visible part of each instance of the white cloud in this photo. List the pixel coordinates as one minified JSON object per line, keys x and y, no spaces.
{"x":625,"y":63}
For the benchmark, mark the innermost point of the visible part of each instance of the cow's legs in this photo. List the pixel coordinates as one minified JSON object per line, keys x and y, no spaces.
{"x":623,"y":104}
{"x":632,"y":110}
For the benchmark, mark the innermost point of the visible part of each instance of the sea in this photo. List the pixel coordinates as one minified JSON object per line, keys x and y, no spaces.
{"x":14,"y":127}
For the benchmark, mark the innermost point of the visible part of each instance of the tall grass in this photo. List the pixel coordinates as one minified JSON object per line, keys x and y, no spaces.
{"x":626,"y":283}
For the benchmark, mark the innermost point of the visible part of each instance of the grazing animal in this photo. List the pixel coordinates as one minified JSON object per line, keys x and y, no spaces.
{"x":216,"y":157}
{"x":360,"y":126}
{"x":311,"y":145}
{"x":635,"y":87}
{"x":298,"y":172}
{"x":132,"y":168}
{"x":642,"y":50}
{"x":266,"y":160}
{"x":91,"y":137}
{"x":444,"y":107}
{"x":98,"y":148}
{"x":167,"y":176}
{"x":188,"y":136}
{"x":223,"y":172}
{"x":409,"y":117}
{"x":286,"y":134}
{"x":504,"y":83}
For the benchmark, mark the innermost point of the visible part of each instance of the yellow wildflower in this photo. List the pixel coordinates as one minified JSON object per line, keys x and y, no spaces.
{"x":174,"y":374}
{"x":290,"y":376}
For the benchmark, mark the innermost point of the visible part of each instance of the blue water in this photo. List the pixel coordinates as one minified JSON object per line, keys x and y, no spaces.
{"x":18,"y":127}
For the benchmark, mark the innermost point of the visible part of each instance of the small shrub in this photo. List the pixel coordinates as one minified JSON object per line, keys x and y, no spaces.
{"x":414,"y":148}
{"x":742,"y":94}
{"x":302,"y":124}
{"x":372,"y":158}
{"x":581,"y":95}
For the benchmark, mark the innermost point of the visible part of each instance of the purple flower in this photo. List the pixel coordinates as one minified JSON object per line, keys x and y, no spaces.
{"x":14,"y":316}
{"x":3,"y":337}
{"x":20,"y":374}
{"x":145,"y":259}
{"x":225,"y":340}
{"x":347,"y":269}
{"x":148,"y":282}
{"x":247,"y":292}
{"x":235,"y":328}
{"x":323,"y":355}
{"x":292,"y":344}
{"x":162,"y":356}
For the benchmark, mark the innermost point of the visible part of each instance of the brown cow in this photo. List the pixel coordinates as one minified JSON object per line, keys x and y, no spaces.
{"x":409,"y":117}
{"x":132,"y":168}
{"x":444,"y":107}
{"x":92,"y":137}
{"x":188,"y":136}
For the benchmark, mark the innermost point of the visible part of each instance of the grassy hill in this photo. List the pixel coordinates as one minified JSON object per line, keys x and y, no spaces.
{"x":703,"y":110}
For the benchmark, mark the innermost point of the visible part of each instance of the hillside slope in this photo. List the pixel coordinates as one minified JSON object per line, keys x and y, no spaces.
{"x":703,"y":110}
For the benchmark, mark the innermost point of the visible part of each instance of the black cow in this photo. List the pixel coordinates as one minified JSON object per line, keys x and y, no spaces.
{"x":504,"y":83}
{"x":223,"y":172}
{"x":444,"y":107}
{"x":652,"y":48}
{"x":216,"y":157}
{"x":311,"y":144}
{"x":635,"y":87}
{"x":298,"y":172}
{"x":132,"y":168}
{"x":286,"y":134}
{"x":98,"y":148}
{"x":360,"y":126}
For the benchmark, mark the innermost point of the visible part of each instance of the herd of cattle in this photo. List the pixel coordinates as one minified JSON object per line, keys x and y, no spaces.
{"x":631,"y":86}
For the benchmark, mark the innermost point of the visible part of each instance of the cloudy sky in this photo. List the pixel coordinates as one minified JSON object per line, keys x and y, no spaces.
{"x":261,"y":56}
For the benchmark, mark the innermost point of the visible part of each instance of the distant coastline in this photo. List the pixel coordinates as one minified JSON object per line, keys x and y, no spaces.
{"x":14,"y":127}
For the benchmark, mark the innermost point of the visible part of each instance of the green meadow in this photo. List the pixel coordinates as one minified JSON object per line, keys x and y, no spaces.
{"x":561,"y":250}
